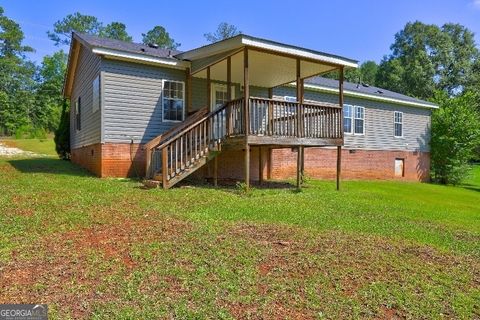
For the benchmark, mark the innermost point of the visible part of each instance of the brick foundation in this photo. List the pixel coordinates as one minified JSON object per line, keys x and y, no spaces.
{"x":356,"y":164}
{"x":111,"y":159}
{"x":114,"y":160}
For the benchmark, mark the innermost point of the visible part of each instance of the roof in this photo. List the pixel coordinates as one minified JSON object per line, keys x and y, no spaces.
{"x":366,"y":91}
{"x":140,"y":48}
{"x":242,"y":40}
{"x":115,"y":48}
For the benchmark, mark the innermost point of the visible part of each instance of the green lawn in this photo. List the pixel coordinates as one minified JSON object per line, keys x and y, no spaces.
{"x":40,"y":146}
{"x":106,"y":248}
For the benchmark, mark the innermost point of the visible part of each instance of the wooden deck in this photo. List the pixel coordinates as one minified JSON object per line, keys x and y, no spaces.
{"x":238,"y":125}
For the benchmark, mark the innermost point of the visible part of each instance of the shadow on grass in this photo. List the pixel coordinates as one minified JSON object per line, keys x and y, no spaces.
{"x":469,"y":186}
{"x":48,"y":165}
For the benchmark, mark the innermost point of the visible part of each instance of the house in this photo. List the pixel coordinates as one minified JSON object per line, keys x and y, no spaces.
{"x":138,"y":110}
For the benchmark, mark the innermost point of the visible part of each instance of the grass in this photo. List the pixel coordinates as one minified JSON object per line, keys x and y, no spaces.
{"x":105,"y":248}
{"x":40,"y":146}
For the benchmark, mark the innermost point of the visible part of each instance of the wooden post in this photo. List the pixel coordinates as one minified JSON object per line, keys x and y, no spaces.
{"x":246,"y":93}
{"x":209,"y":89}
{"x":228,"y":125}
{"x":148,"y":159}
{"x":164,"y":167}
{"x":270,"y":93}
{"x":339,"y":165}
{"x":269,"y":163}
{"x":299,"y":159}
{"x":189,"y":90}
{"x":215,"y":171}
{"x":260,"y":165}
{"x":298,"y":132}
{"x":300,"y":122}
{"x":339,"y":148}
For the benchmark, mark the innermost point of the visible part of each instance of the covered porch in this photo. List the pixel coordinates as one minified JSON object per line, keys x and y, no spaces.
{"x":246,"y":114}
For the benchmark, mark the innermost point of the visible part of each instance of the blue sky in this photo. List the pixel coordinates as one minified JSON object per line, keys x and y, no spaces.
{"x":361,"y":30}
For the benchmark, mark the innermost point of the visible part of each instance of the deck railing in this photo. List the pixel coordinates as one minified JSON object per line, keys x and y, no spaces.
{"x":270,"y":117}
{"x":180,"y":150}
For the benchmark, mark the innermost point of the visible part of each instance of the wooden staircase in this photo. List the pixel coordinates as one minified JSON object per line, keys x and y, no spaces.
{"x":174,"y":155}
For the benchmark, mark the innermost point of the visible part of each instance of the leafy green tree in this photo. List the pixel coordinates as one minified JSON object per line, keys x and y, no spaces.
{"x":62,"y":134}
{"x":224,"y":31}
{"x":116,"y":30}
{"x":159,"y":36}
{"x":62,"y":29}
{"x":455,"y":136}
{"x":366,"y":73}
{"x":16,"y":77}
{"x":49,"y":97}
{"x":426,"y":58}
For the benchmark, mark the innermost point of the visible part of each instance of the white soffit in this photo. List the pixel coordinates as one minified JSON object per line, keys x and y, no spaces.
{"x":265,"y":69}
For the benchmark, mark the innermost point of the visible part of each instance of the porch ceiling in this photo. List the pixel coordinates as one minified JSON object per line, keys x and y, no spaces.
{"x":265,"y":69}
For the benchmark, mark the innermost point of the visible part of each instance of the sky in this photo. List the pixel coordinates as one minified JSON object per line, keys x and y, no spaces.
{"x":360,"y":30}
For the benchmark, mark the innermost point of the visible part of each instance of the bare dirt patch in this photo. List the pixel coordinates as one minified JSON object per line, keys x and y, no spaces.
{"x":348,"y":264}
{"x":69,"y":270}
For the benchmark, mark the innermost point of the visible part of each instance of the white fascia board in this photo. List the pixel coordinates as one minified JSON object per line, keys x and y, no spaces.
{"x":298,"y":52}
{"x":370,"y":96}
{"x":121,"y":55}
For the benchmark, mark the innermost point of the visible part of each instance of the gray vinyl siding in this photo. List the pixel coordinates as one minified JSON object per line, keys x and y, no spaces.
{"x":133,"y":100}
{"x":87,"y":70}
{"x":379,"y":125}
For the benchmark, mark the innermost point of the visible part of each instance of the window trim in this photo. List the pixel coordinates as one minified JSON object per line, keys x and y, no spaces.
{"x":352,"y":110}
{"x":355,"y":118}
{"x":395,"y":122}
{"x":183,"y":99}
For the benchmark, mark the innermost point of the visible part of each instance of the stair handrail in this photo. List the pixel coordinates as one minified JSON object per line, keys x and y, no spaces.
{"x":167,"y":134}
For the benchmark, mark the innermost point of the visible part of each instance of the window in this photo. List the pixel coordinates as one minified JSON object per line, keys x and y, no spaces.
{"x":96,"y":94}
{"x":359,"y":120}
{"x":347,"y":118}
{"x":78,"y":114}
{"x":353,"y":119}
{"x":173,"y":100}
{"x":398,"y":124}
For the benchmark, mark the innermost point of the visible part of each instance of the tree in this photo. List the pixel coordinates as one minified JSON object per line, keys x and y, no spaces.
{"x":224,"y":31}
{"x":62,"y":29}
{"x":366,"y":73}
{"x":159,"y":36}
{"x":426,"y":58}
{"x":455,"y":136}
{"x":62,"y":134}
{"x":16,"y":77}
{"x":116,"y":30}
{"x":49,"y":97}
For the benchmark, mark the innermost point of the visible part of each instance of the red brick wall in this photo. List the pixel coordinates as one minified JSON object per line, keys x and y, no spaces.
{"x":89,"y":157}
{"x":114,"y":160}
{"x":360,"y":164}
{"x":111,"y":159}
{"x":117,"y":160}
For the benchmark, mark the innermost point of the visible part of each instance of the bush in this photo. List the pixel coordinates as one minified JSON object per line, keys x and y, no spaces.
{"x":455,"y":136}
{"x":62,"y":134}
{"x":23,"y":131}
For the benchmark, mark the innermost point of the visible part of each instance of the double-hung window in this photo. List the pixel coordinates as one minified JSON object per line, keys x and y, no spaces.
{"x":173,"y":100}
{"x":398,"y":124}
{"x":347,"y":118}
{"x":359,"y":124}
{"x":353,"y":119}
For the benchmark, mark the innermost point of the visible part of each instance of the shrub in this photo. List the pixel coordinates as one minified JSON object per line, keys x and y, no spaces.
{"x":455,"y":136}
{"x":62,"y":134}
{"x":23,"y":131}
